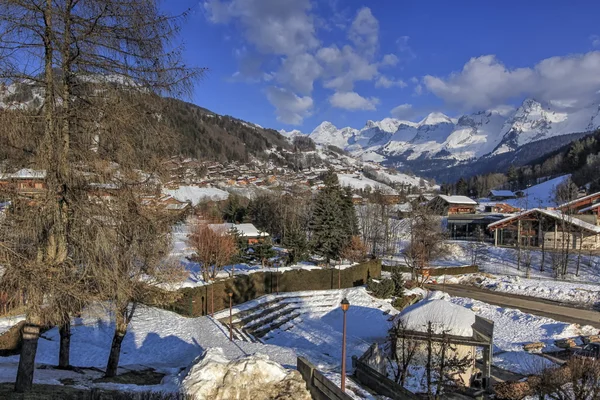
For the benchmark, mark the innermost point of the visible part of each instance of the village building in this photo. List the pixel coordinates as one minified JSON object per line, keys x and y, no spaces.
{"x":551,"y":229}
{"x":585,"y":202}
{"x":26,"y":182}
{"x":450,"y":205}
{"x":500,"y":195}
{"x":452,"y":323}
{"x":249,"y":232}
{"x":471,"y":226}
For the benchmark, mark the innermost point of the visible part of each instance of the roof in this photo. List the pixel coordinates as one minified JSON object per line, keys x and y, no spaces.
{"x":589,"y":196}
{"x":590,"y":208}
{"x":502,"y":193}
{"x":444,"y":316}
{"x":25,"y":173}
{"x":457,"y":199}
{"x":553,"y":214}
{"x":245,"y":230}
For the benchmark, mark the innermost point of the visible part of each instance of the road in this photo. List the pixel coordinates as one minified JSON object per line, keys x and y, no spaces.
{"x":532,"y":305}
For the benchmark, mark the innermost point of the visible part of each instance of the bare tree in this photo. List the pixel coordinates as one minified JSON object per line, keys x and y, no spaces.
{"x":402,"y":352}
{"x":214,"y":248}
{"x":91,"y":63}
{"x":426,"y":241}
{"x":578,"y":379}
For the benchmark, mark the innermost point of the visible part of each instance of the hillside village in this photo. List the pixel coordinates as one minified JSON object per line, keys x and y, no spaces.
{"x":154,"y":248}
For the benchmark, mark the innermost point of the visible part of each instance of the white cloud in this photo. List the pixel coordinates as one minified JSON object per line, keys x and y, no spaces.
{"x":353,"y":101}
{"x":273,"y":26}
{"x":299,"y":71}
{"x":364,"y":32}
{"x":595,"y":39}
{"x":387,"y":83}
{"x":389,"y":59}
{"x":404,"y":48}
{"x":344,"y":67}
{"x":290,"y":108}
{"x":485,"y":82}
{"x":403,"y":111}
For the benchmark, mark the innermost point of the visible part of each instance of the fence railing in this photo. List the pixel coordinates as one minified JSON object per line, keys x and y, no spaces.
{"x":317,"y":383}
{"x":379,"y":383}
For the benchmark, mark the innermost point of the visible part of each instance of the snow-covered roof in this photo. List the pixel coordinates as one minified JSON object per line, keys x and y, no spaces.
{"x":444,"y":316}
{"x":457,"y":199}
{"x":25,"y":173}
{"x":502,"y":193}
{"x":246,"y":230}
{"x":590,"y":208}
{"x":553,"y":214}
{"x":589,"y":196}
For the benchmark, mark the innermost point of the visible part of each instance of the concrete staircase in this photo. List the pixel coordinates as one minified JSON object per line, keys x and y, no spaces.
{"x":254,"y":319}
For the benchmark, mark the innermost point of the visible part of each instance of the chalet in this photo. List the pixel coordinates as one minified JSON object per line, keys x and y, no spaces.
{"x":246,"y":231}
{"x":449,"y":205}
{"x":452,"y":323}
{"x":27,"y":182}
{"x":546,"y":228}
{"x":471,"y":226}
{"x":500,"y":195}
{"x":502,"y":208}
{"x":581,"y":203}
{"x":594,"y":211}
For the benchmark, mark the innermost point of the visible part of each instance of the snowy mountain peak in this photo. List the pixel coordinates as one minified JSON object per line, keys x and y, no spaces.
{"x":435,"y":118}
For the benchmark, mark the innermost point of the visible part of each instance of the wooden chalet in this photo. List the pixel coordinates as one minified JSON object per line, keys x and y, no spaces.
{"x":500,"y":195}
{"x":502,"y":208}
{"x":552,"y":229}
{"x":450,"y":205}
{"x":573,"y":207}
{"x":26,"y":182}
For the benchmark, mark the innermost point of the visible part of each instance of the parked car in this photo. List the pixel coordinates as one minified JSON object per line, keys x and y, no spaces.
{"x":591,"y":350}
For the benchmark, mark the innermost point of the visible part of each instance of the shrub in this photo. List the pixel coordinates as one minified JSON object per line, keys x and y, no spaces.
{"x":382,"y":289}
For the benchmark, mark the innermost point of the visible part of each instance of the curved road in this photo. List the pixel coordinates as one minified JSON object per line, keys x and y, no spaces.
{"x":532,"y":305}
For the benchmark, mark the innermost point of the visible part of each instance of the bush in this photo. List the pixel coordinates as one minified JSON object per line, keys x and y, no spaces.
{"x":382,"y":289}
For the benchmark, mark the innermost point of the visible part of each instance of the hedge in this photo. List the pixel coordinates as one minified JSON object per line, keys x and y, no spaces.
{"x":468,"y":269}
{"x":196,"y":301}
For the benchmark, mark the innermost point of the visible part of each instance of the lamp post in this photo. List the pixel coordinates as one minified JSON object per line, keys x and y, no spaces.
{"x":277,"y":277}
{"x":230,"y":324}
{"x":345,"y":306}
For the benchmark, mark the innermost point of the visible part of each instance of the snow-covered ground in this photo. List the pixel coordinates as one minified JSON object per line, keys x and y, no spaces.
{"x":580,"y":294}
{"x":362,"y":182}
{"x":197,"y":194}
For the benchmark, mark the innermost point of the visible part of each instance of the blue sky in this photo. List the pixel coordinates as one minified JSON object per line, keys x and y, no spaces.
{"x":292,"y":64}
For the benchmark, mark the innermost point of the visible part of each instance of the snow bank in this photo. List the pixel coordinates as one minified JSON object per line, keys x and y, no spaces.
{"x":197,"y":194}
{"x":253,"y":377}
{"x":443,"y":315}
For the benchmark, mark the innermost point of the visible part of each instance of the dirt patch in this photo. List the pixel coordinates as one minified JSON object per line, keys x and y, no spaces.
{"x":140,"y":378}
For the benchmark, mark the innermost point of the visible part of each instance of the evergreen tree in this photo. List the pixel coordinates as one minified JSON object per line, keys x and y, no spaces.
{"x":330,"y":230}
{"x":264,"y":250}
{"x":295,"y":242}
{"x":349,"y":213}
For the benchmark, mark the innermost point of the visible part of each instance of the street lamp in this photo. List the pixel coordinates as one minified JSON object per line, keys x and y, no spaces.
{"x":345,"y":305}
{"x":230,"y":324}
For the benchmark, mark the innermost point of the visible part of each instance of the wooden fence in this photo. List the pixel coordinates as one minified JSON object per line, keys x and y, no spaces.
{"x":197,"y":301}
{"x":379,"y":383}
{"x":317,"y":384}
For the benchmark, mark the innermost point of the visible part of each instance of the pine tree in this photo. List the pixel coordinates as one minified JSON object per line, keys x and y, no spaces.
{"x":295,"y":242}
{"x":264,"y":250}
{"x":328,"y":226}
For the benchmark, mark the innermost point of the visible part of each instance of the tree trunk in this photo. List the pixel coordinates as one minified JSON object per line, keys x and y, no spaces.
{"x":31,"y":335}
{"x":65,"y":344}
{"x":115,"y":348}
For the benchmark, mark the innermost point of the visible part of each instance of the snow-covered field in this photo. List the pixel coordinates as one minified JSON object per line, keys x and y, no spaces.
{"x":580,"y":294}
{"x":197,"y":194}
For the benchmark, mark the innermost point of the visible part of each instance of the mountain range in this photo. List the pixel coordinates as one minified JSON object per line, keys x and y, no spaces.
{"x":438,"y":141}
